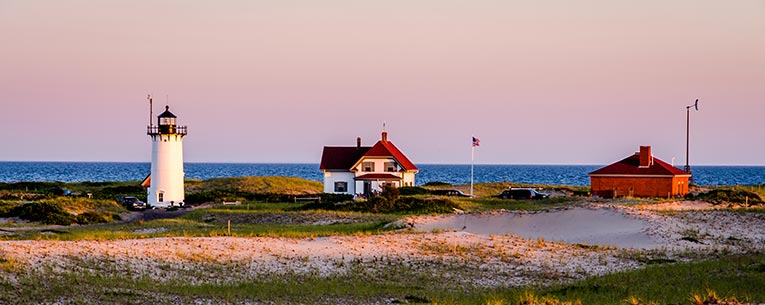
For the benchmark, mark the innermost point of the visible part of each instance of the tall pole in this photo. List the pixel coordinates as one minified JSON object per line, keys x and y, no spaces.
{"x":687,"y":137}
{"x":150,"y":112}
{"x":472,"y":165}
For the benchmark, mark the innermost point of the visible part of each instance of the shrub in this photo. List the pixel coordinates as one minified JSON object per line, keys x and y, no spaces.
{"x":122,"y":190}
{"x":390,"y":193}
{"x":233,"y":195}
{"x":212,"y":196}
{"x":31,"y":186}
{"x":437,"y":183}
{"x":44,"y":212}
{"x":93,"y":217}
{"x":381,"y":204}
{"x":413,"y":190}
{"x":720,"y":196}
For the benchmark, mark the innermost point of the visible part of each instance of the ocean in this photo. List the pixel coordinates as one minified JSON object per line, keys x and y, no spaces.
{"x":455,"y":174}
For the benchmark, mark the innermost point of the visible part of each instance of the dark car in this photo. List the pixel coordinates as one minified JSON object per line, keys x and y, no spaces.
{"x":456,"y":193}
{"x":521,"y":193}
{"x":131,"y":203}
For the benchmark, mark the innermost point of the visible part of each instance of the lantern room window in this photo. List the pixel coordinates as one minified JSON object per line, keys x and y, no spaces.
{"x":166,"y":121}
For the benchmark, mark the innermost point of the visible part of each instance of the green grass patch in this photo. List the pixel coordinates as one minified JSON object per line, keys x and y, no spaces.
{"x":257,"y":219}
{"x":735,"y":277}
{"x":260,"y":185}
{"x":487,"y":204}
{"x":728,"y":195}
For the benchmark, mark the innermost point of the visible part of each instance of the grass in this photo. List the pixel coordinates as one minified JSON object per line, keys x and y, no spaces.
{"x":486,"y":204}
{"x":489,"y":189}
{"x":734,"y":277}
{"x":202,"y":280}
{"x":247,"y":220}
{"x":105,"y":281}
{"x":260,"y":185}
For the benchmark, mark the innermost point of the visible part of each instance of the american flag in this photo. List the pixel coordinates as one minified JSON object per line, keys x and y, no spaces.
{"x":476,"y":142}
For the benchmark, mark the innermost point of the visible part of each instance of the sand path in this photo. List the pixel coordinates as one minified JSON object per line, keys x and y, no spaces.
{"x":604,"y":227}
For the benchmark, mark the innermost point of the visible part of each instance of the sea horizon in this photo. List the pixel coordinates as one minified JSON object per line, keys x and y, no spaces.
{"x":548,"y":174}
{"x":416,"y":163}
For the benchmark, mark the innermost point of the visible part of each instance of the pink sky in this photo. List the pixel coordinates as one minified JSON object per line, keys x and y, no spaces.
{"x":539,"y":82}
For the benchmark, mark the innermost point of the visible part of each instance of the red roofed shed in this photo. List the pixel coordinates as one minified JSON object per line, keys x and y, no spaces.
{"x":639,"y":175}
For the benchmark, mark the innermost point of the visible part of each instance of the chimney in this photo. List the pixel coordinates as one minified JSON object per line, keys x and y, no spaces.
{"x":646,"y":159}
{"x":385,"y":136}
{"x":358,"y":142}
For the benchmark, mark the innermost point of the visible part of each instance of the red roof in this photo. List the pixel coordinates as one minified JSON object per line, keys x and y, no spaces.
{"x":387,"y":149}
{"x":346,"y":158}
{"x":341,"y":158}
{"x":146,"y":182}
{"x":378,"y":177}
{"x":630,"y":166}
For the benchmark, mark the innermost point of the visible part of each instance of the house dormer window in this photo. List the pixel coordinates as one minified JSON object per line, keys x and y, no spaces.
{"x":368,"y":166}
{"x":391,"y":167}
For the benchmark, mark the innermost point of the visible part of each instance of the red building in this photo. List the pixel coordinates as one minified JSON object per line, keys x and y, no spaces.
{"x":639,"y":175}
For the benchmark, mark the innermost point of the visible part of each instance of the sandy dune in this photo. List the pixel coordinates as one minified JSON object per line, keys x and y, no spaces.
{"x":494,"y":249}
{"x":579,"y":225}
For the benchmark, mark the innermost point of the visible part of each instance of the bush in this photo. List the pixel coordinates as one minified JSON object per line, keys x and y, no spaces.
{"x":31,"y":186}
{"x":92,"y":217}
{"x":233,"y":195}
{"x":389,"y":201}
{"x":437,"y":183}
{"x":212,"y":196}
{"x":6,"y":208}
{"x":44,"y":212}
{"x":413,"y":190}
{"x":123,"y":190}
{"x":720,"y":196}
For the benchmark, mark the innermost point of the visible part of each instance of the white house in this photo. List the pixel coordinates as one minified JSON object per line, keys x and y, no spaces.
{"x":364,"y":169}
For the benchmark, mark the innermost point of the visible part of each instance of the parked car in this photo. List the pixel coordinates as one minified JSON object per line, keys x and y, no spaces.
{"x":449,"y":192}
{"x":131,"y":203}
{"x":521,"y":193}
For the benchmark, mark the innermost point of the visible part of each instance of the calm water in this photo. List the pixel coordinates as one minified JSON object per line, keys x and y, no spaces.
{"x":457,"y":174}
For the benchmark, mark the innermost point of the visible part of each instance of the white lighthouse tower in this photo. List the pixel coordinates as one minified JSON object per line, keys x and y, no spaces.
{"x":166,"y":180}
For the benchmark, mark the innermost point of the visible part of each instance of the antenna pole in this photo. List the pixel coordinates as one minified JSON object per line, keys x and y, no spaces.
{"x":687,"y":137}
{"x":151,"y":109}
{"x":472,"y":165}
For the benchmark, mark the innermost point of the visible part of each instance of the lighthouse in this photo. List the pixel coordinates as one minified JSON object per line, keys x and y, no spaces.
{"x":166,"y":179}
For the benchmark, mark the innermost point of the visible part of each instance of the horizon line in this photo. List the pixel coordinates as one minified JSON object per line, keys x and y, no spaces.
{"x":467,"y":164}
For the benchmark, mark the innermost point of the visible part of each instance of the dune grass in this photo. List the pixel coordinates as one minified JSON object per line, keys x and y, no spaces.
{"x":732,"y":278}
{"x":247,"y":220}
{"x":488,"y":189}
{"x":488,"y":204}
{"x":260,"y":185}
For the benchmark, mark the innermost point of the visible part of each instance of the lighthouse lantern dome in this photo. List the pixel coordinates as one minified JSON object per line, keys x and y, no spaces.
{"x":166,"y":121}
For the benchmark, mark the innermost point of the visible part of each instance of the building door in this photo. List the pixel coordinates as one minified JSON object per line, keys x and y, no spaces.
{"x":367,"y":187}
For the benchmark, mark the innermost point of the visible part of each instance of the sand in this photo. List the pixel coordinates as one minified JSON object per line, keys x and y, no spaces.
{"x":490,"y":249}
{"x":603,"y":227}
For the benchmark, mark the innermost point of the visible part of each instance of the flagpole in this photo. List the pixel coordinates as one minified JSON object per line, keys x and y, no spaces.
{"x":472,"y":165}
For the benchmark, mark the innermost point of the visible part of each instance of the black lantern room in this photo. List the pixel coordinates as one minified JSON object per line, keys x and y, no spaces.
{"x":166,"y":121}
{"x":166,"y":124}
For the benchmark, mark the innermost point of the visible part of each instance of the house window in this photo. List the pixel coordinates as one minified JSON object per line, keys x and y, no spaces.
{"x":390,"y":166}
{"x":368,"y":166}
{"x":160,"y":197}
{"x":341,"y":187}
{"x":389,"y":184}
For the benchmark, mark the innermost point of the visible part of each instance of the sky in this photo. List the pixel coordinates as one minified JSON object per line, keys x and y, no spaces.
{"x":538,"y":82}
